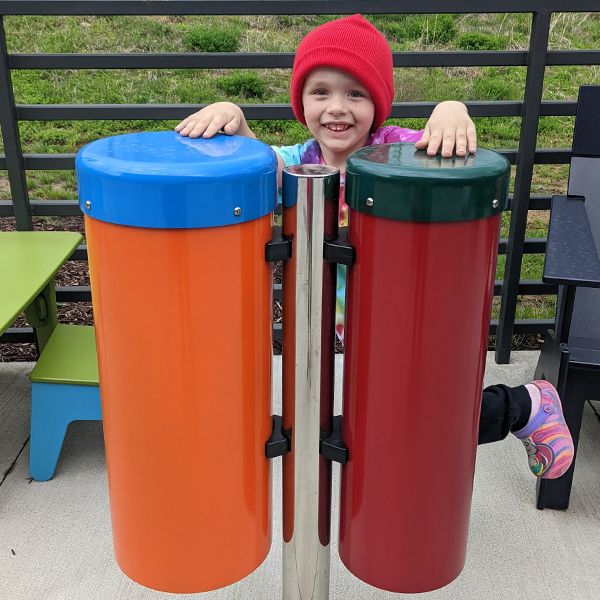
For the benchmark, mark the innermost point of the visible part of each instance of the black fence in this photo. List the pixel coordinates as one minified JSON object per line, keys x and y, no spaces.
{"x":530,"y":109}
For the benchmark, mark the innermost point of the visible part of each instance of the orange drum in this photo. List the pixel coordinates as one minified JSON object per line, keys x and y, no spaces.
{"x":183,"y":309}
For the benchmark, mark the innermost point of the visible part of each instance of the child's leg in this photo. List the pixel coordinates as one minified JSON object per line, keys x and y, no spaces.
{"x":533,"y":413}
{"x":503,"y":409}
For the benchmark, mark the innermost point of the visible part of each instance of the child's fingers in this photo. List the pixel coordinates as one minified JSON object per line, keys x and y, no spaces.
{"x":461,"y":141}
{"x":183,"y":123}
{"x":214,"y":126}
{"x":422,"y":143}
{"x":472,"y":138}
{"x":193,"y":126}
{"x":232,"y":126}
{"x":435,"y":141}
{"x":197,"y":127}
{"x":208,"y":125}
{"x":448,"y":143}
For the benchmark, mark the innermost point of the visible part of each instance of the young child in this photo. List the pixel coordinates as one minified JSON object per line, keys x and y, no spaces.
{"x":342,"y":89}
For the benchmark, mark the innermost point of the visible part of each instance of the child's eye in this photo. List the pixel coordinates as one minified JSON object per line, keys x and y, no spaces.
{"x":355,"y":94}
{"x":320,"y":92}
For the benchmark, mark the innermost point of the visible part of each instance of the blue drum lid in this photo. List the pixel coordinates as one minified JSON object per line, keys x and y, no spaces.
{"x":164,"y":180}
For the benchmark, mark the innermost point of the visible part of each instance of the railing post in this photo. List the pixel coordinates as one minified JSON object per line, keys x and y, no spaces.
{"x":15,"y":163}
{"x":536,"y":64}
{"x":310,"y":217}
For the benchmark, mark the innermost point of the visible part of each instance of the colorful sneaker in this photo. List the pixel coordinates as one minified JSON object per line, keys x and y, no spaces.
{"x":546,"y":437}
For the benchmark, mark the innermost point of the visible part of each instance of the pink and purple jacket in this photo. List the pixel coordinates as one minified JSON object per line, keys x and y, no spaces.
{"x":310,"y":153}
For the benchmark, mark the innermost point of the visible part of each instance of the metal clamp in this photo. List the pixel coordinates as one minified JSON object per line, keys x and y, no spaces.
{"x":280,"y":442}
{"x":332,"y":447}
{"x":339,"y":250}
{"x":278,"y":247}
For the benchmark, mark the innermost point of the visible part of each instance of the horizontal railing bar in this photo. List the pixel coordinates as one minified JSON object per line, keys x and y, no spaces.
{"x":189,"y":60}
{"x":45,"y":162}
{"x":536,"y":202}
{"x":539,"y":202}
{"x":99,"y":112}
{"x":17,"y":335}
{"x":526,"y":287}
{"x":536,"y":287}
{"x":80,"y":253}
{"x":547,"y":156}
{"x":82,"y":293}
{"x":572,"y":57}
{"x":74,"y":112}
{"x":55,"y":162}
{"x":21,"y":335}
{"x":531,"y":246}
{"x":526,"y":326}
{"x":74,"y":293}
{"x":256,"y":60}
{"x":285,"y":7}
{"x":45,"y":208}
{"x":284,"y":60}
{"x":529,"y":287}
{"x":60,"y":162}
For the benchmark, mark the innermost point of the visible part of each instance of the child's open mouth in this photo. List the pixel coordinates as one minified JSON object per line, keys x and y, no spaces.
{"x":337,"y":127}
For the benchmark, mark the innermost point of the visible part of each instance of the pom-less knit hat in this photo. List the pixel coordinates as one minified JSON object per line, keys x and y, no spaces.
{"x":353,"y":45}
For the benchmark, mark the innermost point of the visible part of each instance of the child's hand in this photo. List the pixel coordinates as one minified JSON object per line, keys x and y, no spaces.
{"x":449,"y":127}
{"x":221,"y":116}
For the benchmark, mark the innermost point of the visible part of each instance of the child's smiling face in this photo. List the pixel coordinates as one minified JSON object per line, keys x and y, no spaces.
{"x":339,"y":113}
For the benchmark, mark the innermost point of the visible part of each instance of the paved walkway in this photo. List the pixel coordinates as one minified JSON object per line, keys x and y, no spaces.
{"x":55,"y":539}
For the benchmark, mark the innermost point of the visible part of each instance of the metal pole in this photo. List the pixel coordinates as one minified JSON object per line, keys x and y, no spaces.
{"x":15,"y":163}
{"x":310,"y":216}
{"x":536,"y":66}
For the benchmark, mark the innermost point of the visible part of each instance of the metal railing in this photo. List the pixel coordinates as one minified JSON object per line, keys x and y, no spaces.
{"x":530,"y":109}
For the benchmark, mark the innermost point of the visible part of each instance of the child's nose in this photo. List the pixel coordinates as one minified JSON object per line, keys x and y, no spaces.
{"x":337,"y":105}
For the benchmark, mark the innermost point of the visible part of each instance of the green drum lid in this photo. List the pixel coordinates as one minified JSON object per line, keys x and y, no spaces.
{"x":395,"y":181}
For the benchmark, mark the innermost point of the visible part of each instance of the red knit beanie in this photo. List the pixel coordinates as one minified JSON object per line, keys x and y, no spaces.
{"x":353,"y":45}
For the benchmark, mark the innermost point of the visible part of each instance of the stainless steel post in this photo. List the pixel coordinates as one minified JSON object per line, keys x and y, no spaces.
{"x":310,"y":216}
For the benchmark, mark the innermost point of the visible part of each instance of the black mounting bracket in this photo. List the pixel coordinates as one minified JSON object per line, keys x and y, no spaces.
{"x":332,"y":445}
{"x":339,"y":250}
{"x":280,"y":442}
{"x":278,"y":247}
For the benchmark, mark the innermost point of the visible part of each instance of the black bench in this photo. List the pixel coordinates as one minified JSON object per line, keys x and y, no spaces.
{"x":570,"y":358}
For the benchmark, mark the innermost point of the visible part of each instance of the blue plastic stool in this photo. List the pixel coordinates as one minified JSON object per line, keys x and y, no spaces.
{"x":64,"y":388}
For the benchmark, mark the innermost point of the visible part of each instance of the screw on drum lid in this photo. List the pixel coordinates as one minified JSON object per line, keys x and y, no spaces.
{"x":164,"y":180}
{"x":395,"y":181}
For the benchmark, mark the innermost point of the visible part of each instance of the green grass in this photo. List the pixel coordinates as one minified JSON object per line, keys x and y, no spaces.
{"x":481,"y":41}
{"x":431,"y":29}
{"x":242,"y":86}
{"x":212,"y":39}
{"x":282,"y":34}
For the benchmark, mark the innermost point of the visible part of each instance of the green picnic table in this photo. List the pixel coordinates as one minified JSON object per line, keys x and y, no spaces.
{"x":29,"y":260}
{"x":64,"y":381}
